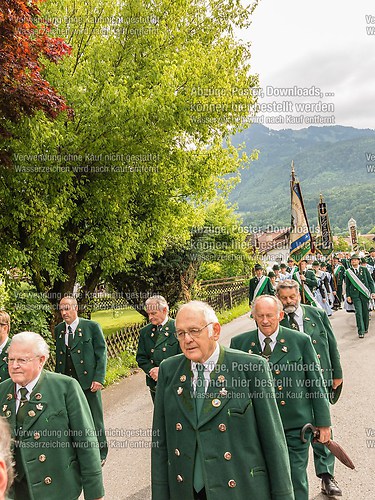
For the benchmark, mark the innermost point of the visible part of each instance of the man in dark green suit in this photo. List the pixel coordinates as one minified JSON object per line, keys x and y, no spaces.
{"x":359,"y":289}
{"x":4,"y":344}
{"x":316,"y":324}
{"x":260,"y":284}
{"x":156,"y":340}
{"x":306,"y":277}
{"x":55,"y":447}
{"x":81,"y":353}
{"x":338,"y":276}
{"x":371,"y":261}
{"x":300,"y":391}
{"x":217,"y":432}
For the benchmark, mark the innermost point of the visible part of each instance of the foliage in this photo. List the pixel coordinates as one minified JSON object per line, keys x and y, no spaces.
{"x":119,"y":367}
{"x":152,"y":91}
{"x":225,"y":317}
{"x":114,"y":319}
{"x":25,"y":43}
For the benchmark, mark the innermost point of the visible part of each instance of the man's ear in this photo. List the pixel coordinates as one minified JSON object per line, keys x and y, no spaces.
{"x":216,"y":329}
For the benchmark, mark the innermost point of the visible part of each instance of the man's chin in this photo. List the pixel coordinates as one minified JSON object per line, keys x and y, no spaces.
{"x":290,"y":309}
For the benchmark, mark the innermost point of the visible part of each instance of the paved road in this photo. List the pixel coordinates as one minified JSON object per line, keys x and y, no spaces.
{"x":128,"y":418}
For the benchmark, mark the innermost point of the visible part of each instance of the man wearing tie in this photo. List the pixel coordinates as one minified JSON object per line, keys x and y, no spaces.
{"x":259,"y":285}
{"x":81,"y":353}
{"x":156,"y":340}
{"x":359,"y":289}
{"x":315,"y":323}
{"x":301,"y":394}
{"x":4,"y":344}
{"x":55,"y":447}
{"x":217,"y":433}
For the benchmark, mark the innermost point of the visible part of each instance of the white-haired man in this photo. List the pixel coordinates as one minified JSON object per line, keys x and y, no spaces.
{"x":217,"y":433}
{"x":156,"y":340}
{"x":55,"y":449}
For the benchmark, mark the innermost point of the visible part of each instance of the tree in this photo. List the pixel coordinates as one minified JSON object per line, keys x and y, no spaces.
{"x":155,"y":89}
{"x":24,"y":44}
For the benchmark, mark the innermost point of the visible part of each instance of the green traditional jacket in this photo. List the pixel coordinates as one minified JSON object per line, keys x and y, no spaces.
{"x":88,"y":352}
{"x":340,"y":275}
{"x":154,"y":346}
{"x":59,"y":449}
{"x":4,"y":374}
{"x":268,"y":288}
{"x":239,"y":432}
{"x":300,"y":390}
{"x":365,"y":276}
{"x":317,"y":325}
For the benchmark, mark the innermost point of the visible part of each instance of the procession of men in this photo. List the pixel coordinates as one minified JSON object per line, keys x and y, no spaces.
{"x":212,"y":404}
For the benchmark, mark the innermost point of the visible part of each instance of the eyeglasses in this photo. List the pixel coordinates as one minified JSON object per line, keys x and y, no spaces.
{"x":3,"y":324}
{"x":192,"y":332}
{"x":20,"y":361}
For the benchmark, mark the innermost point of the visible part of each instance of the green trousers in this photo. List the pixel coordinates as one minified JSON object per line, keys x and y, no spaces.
{"x":94,"y":400}
{"x":361,"y":313}
{"x":298,"y":459}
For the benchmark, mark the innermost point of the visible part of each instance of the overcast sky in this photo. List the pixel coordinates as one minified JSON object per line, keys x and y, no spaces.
{"x":321,"y":43}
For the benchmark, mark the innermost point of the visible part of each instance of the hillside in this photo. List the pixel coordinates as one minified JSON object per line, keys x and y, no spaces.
{"x":329,"y":160}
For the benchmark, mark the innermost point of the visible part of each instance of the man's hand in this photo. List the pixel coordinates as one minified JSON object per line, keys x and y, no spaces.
{"x":325,"y":434}
{"x":373,"y":295}
{"x":96,"y":386}
{"x":154,"y":372}
{"x":336,"y":382}
{"x":303,"y":277}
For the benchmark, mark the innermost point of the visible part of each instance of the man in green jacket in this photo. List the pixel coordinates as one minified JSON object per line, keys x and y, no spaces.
{"x":4,"y":344}
{"x":306,"y":278}
{"x":316,"y":324}
{"x":259,"y":285}
{"x":217,"y":434}
{"x":81,"y":353}
{"x":156,"y":340}
{"x":55,"y":447}
{"x":359,"y":289}
{"x":300,"y":391}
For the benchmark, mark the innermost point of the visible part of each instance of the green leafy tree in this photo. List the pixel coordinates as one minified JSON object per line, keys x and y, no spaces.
{"x":156,"y":88}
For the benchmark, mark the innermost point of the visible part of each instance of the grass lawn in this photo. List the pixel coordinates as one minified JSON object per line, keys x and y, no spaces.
{"x":114,"y":319}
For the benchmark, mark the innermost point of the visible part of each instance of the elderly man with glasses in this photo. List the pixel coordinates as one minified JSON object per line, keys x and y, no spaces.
{"x":217,"y":433}
{"x":4,"y":344}
{"x":55,"y":448}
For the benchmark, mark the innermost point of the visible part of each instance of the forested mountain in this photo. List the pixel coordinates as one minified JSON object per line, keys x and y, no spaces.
{"x":334,"y":160}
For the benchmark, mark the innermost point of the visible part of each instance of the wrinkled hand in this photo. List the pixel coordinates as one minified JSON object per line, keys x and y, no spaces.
{"x":154,"y":372}
{"x":96,"y":386}
{"x":336,"y":382}
{"x":325,"y":434}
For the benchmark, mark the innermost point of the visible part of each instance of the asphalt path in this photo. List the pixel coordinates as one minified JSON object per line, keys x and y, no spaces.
{"x":128,"y":420}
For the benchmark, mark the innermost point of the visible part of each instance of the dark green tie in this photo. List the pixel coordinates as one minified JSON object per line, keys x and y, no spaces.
{"x":292,"y":321}
{"x":199,"y":400}
{"x":267,"y":351}
{"x":70,"y":336}
{"x":22,"y":409}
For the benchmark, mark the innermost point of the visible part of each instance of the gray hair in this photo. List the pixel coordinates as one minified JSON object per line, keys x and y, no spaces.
{"x":277,"y":301}
{"x":5,"y":453}
{"x":71,"y":299}
{"x":207,"y":311}
{"x":159,"y":300}
{"x":287,"y":284}
{"x":36,"y":341}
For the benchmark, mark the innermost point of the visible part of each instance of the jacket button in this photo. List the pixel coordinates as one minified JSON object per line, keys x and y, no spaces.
{"x":228,"y":455}
{"x":232,"y":483}
{"x":152,"y":361}
{"x":42,"y":458}
{"x":47,"y":480}
{"x":81,"y":361}
{"x":282,"y":403}
{"x":277,"y":372}
{"x":178,"y":426}
{"x":280,"y":387}
{"x":85,"y":372}
{"x":36,"y":435}
{"x":60,"y":362}
{"x":177,"y":452}
{"x":164,"y":349}
{"x":152,"y":350}
{"x":222,"y":427}
{"x":319,"y":356}
{"x":314,"y":341}
{"x":61,"y":352}
{"x":79,"y":351}
{"x":179,"y":478}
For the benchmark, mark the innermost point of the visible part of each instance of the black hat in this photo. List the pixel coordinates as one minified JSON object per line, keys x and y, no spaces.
{"x":334,"y":394}
{"x":283,"y":266}
{"x":355,"y":256}
{"x":275,"y":267}
{"x":316,"y":263}
{"x":271,"y":274}
{"x":372,"y":249}
{"x":257,"y":267}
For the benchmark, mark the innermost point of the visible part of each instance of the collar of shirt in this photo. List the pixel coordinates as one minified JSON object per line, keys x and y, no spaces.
{"x":209,"y":366}
{"x":165,"y":321}
{"x":262,"y":337}
{"x":3,"y":345}
{"x":298,"y":316}
{"x":72,"y":325}
{"x":30,"y":387}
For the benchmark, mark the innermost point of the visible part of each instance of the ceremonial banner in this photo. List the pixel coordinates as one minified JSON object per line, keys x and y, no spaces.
{"x":325,"y":245}
{"x":352,"y":225}
{"x":300,"y":237}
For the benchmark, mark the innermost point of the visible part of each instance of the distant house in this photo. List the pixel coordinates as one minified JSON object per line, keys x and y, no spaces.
{"x":273,"y":246}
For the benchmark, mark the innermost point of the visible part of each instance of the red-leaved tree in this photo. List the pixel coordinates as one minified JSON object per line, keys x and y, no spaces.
{"x":24,"y":41}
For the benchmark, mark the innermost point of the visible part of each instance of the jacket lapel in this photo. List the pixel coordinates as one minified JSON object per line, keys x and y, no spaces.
{"x":281,"y":348}
{"x":8,"y":409}
{"x":183,"y":390}
{"x":36,"y":405}
{"x":164,"y":334}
